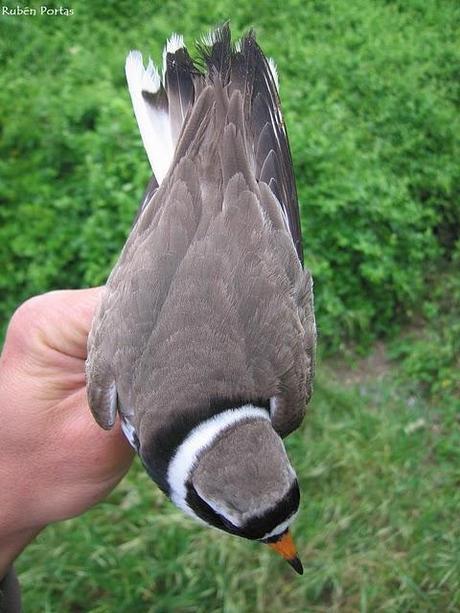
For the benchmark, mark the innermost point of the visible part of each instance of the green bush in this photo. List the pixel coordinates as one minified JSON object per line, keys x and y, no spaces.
{"x":429,"y":353}
{"x":369,"y":92}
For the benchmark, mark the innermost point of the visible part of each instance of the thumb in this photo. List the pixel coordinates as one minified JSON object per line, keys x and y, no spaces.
{"x":73,"y":311}
{"x":58,"y":320}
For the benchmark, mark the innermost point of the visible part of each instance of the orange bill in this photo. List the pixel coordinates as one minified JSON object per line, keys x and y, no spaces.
{"x":286,"y":548}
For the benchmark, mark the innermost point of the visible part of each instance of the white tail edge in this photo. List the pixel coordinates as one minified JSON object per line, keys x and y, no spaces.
{"x":153,"y":120}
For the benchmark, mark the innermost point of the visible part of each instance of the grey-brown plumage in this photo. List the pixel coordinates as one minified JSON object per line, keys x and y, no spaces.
{"x":252,"y":484}
{"x":208,"y":307}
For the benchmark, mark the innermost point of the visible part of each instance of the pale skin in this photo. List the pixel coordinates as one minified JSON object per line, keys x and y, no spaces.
{"x":55,"y":462}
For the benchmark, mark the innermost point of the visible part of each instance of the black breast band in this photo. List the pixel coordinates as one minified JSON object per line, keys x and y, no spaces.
{"x":161,"y":448}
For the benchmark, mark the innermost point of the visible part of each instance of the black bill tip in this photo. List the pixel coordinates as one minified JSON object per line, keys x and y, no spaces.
{"x":296,"y":565}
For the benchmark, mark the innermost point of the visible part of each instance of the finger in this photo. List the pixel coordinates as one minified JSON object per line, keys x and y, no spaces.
{"x":102,"y":452}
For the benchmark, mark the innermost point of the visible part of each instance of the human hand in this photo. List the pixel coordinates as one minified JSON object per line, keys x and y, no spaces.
{"x":55,"y":462}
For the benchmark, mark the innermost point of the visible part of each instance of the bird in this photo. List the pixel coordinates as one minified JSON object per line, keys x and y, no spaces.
{"x":204,"y":340}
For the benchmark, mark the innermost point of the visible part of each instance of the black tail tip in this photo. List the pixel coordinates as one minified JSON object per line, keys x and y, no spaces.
{"x":296,"y":565}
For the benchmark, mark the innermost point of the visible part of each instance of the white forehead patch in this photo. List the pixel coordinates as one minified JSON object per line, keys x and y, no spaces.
{"x":281,"y":527}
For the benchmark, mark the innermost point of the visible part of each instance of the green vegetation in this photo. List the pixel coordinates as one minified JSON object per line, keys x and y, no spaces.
{"x":378,"y":532}
{"x":370,"y":93}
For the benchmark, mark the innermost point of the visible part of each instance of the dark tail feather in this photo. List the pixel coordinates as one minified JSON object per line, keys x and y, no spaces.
{"x":182,"y":107}
{"x":182,"y":83}
{"x":215,"y":50}
{"x":244,"y":67}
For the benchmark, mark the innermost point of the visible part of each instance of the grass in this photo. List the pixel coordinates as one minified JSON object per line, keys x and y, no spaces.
{"x":370,"y":95}
{"x":379,"y":473}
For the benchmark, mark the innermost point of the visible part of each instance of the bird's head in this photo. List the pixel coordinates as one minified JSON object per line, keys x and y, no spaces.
{"x":232,"y":472}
